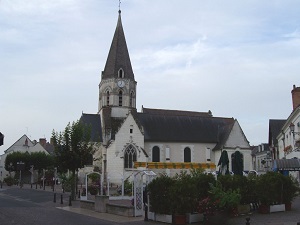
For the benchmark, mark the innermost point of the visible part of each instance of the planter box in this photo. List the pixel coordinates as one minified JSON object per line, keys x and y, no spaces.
{"x":163,"y":218}
{"x":194,"y":217}
{"x":151,"y":216}
{"x":277,"y":208}
{"x":243,"y":209}
{"x":83,"y":197}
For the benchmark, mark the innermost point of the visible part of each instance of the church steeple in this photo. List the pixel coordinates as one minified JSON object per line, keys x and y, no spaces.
{"x":117,"y":89}
{"x":118,"y":56}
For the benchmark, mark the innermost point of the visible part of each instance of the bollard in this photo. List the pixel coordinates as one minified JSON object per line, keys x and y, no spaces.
{"x":248,"y":221}
{"x":35,"y":185}
{"x":54,"y":198}
{"x":1,"y":184}
{"x":61,"y":199}
{"x":70,"y":202}
{"x":31,"y":185}
{"x":78,"y":193}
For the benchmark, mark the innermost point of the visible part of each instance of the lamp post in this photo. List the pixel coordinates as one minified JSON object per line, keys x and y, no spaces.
{"x":10,"y":168}
{"x":20,"y":167}
{"x":55,"y":172}
{"x":292,"y":129}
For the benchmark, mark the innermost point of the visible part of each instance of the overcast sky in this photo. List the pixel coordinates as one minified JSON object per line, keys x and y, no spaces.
{"x":236,"y":58}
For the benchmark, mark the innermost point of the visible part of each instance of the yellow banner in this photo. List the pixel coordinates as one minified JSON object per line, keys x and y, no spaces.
{"x":174,"y":165}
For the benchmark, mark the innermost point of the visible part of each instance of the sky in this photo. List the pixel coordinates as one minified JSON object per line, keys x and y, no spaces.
{"x":236,"y":58}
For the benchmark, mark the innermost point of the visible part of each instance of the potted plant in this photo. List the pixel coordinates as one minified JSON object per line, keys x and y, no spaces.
{"x":290,"y":189}
{"x":93,"y":189}
{"x":271,"y":199}
{"x":184,"y":197}
{"x":159,"y":190}
{"x":220,"y":205}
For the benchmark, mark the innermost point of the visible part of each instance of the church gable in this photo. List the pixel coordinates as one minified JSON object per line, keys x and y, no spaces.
{"x":237,"y":138}
{"x":130,"y":132}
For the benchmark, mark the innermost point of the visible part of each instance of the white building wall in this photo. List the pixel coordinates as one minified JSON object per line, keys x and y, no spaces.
{"x":176,"y":153}
{"x":115,"y":152}
{"x":237,"y":138}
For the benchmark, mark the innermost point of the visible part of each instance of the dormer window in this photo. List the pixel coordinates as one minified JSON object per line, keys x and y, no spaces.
{"x":121,"y":73}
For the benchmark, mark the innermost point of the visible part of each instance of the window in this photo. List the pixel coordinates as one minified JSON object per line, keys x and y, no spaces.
{"x":129,"y":157}
{"x":187,"y":154}
{"x":120,"y":98}
{"x":155,"y":154}
{"x":131,"y":130}
{"x":131,"y":100}
{"x":121,"y":73}
{"x":107,"y":98}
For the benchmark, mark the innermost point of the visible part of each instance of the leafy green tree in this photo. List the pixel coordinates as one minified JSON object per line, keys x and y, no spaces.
{"x":40,"y":160}
{"x":73,"y":149}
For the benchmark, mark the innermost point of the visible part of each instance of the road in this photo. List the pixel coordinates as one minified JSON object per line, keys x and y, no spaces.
{"x":37,"y":207}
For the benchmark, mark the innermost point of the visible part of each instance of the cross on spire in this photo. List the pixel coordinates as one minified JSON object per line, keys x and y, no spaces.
{"x":119,"y":5}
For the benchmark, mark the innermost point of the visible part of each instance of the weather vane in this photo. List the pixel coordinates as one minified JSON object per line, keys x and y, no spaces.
{"x":119,"y":5}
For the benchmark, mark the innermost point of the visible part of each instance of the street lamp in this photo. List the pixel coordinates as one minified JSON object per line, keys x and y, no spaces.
{"x":10,"y":168}
{"x":292,"y":129}
{"x":20,"y":166}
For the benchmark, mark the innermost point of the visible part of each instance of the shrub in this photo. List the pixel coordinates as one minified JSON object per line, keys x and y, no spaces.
{"x":9,"y":181}
{"x":159,"y":190}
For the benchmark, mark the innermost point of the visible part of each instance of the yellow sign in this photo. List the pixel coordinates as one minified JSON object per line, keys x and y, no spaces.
{"x":174,"y":165}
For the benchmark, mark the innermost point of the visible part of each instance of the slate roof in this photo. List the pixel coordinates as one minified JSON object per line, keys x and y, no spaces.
{"x":118,"y":56}
{"x":183,"y":126}
{"x":275,"y":127}
{"x":95,"y":122}
{"x":168,"y":112}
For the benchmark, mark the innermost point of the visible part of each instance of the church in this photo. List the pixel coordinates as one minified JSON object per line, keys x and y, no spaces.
{"x":128,"y":138}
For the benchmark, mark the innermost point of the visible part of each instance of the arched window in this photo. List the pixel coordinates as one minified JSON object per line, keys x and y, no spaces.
{"x":187,"y":154}
{"x":120,"y":98}
{"x":155,"y":154}
{"x":107,"y":98}
{"x":121,"y":73}
{"x":129,"y":157}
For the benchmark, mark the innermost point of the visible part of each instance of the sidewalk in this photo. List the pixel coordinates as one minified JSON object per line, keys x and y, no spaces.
{"x":278,"y":218}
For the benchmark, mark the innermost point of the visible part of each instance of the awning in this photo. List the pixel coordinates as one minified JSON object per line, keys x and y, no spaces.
{"x":286,"y":164}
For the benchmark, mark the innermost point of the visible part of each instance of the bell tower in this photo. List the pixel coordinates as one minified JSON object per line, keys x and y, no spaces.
{"x":117,"y":88}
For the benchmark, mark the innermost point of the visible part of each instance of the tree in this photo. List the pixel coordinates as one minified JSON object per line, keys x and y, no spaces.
{"x":39,"y":160}
{"x":73,"y":149}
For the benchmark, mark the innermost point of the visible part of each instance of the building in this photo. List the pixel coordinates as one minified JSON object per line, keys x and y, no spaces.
{"x":289,"y":137}
{"x":289,"y":140}
{"x":24,"y":144}
{"x":262,"y":158}
{"x":127,"y":136}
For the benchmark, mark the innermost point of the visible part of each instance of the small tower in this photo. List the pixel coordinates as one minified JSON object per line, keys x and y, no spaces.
{"x":117,"y":89}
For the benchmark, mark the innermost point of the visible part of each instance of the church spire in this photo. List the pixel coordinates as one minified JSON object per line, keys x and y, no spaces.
{"x":118,"y":56}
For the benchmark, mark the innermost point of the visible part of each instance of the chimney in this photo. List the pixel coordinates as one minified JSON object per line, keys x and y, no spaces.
{"x":43,"y":142}
{"x":296,"y":96}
